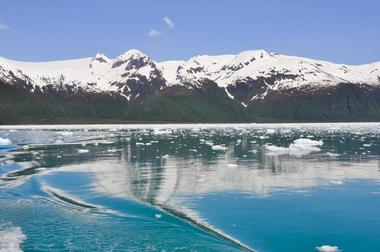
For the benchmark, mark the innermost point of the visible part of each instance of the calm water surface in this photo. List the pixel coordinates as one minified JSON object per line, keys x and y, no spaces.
{"x":279,"y":187}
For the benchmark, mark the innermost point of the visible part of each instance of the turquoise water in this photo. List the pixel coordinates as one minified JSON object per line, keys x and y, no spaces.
{"x":305,"y":187}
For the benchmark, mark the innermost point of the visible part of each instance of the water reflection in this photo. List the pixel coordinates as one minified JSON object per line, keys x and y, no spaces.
{"x":168,"y":168}
{"x":158,"y":167}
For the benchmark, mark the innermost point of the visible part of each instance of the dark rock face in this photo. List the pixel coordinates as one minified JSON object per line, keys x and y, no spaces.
{"x":344,"y":102}
{"x":245,"y":90}
{"x":137,"y":86}
{"x":142,"y":88}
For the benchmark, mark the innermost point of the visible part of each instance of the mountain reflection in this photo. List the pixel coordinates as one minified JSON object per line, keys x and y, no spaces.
{"x":161,"y":166}
{"x":158,"y":178}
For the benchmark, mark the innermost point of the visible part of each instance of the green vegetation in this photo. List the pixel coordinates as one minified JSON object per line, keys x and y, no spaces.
{"x":179,"y":104}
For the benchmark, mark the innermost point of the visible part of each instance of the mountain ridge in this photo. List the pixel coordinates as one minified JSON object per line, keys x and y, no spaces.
{"x":260,"y":82}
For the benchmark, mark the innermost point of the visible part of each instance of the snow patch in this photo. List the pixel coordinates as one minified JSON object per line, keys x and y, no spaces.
{"x":229,"y":94}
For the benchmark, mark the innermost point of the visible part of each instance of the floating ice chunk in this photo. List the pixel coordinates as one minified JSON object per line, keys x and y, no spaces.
{"x":113,"y":150}
{"x":209,"y":143}
{"x":158,"y":216}
{"x":162,"y":131}
{"x":65,"y":133}
{"x":327,"y":248}
{"x":83,"y":151}
{"x":285,"y":131}
{"x":336,"y":182}
{"x":5,"y":141}
{"x":330,"y":154}
{"x":11,"y":238}
{"x":25,"y":147}
{"x":299,"y":147}
{"x":270,"y":131}
{"x":219,"y":148}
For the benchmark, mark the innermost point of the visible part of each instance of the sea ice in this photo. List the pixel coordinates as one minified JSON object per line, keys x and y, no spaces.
{"x":5,"y":141}
{"x":83,"y":151}
{"x":219,"y":148}
{"x":299,"y":147}
{"x":327,"y":248}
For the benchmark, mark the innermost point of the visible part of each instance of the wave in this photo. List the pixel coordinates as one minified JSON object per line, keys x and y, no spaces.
{"x":192,"y":218}
{"x":11,"y":238}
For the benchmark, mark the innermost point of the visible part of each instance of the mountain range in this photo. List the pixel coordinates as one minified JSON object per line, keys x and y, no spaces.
{"x":252,"y":86}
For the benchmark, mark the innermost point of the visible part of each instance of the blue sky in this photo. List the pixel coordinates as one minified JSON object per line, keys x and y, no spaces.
{"x":342,"y":31}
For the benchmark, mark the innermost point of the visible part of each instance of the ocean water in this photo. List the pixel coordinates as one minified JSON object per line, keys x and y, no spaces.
{"x":242,"y":187}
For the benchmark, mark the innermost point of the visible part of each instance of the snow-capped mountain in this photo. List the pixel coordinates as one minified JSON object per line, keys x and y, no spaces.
{"x":125,"y":74}
{"x":249,"y":78}
{"x":134,"y":68}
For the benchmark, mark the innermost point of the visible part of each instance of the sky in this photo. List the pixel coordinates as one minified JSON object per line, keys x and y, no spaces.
{"x":341,"y":31}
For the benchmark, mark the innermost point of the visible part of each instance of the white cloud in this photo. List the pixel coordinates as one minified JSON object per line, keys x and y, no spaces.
{"x":328,"y":248}
{"x":3,"y":27}
{"x":169,"y":22}
{"x":154,"y":33}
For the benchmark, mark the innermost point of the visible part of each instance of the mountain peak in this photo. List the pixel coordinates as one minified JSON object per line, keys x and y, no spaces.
{"x":257,"y":54}
{"x":132,"y":53}
{"x":100,"y":57}
{"x":132,"y":57}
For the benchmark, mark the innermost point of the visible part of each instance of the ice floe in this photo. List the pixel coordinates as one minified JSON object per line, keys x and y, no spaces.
{"x":219,"y":148}
{"x":299,"y":147}
{"x":83,"y":151}
{"x":5,"y":141}
{"x":327,"y":248}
